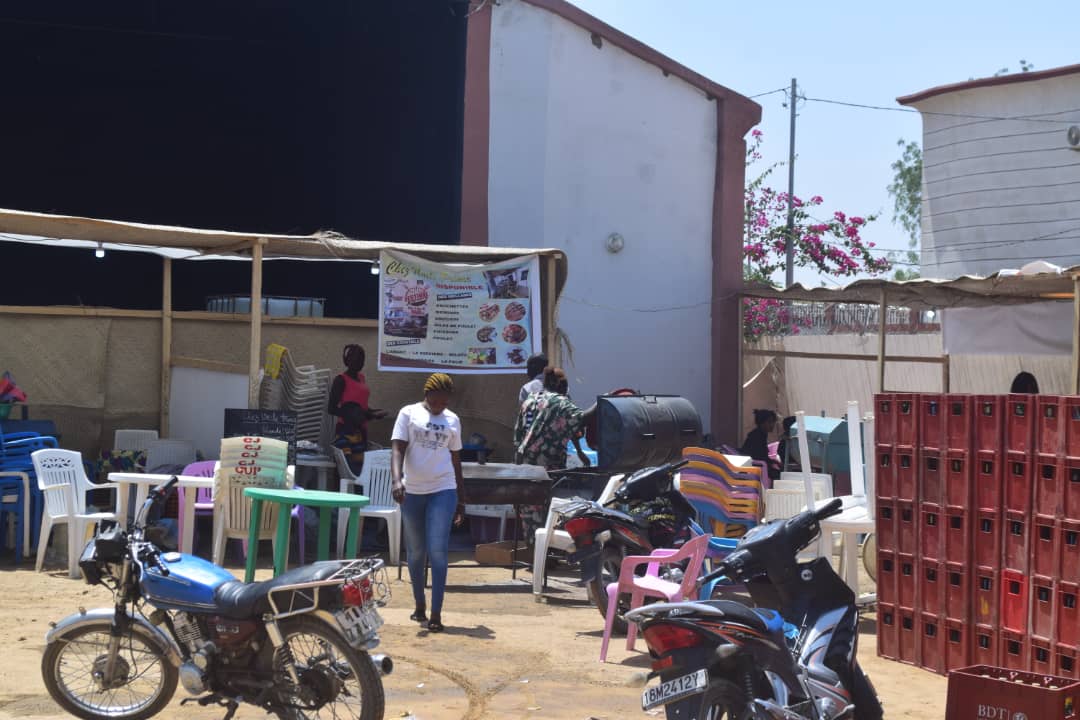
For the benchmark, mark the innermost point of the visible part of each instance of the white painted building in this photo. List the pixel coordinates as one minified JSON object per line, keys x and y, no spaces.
{"x":633,"y":165}
{"x":1001,"y":184}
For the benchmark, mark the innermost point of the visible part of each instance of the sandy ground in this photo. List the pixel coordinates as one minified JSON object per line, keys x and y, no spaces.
{"x":503,"y":655}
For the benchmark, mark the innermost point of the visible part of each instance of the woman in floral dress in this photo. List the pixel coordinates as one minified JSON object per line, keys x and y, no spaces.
{"x":546,"y":423}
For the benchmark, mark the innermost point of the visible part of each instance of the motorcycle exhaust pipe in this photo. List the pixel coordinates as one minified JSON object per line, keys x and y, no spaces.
{"x":383,"y":664}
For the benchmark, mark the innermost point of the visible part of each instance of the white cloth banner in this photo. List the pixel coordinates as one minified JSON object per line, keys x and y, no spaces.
{"x":462,"y":318}
{"x":1043,"y":328}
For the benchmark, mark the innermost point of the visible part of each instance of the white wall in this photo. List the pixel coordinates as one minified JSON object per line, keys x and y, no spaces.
{"x":990,"y":188}
{"x":585,"y":142}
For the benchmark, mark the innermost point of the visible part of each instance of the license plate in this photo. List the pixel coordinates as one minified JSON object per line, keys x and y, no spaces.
{"x":673,"y":690}
{"x":358,"y":623}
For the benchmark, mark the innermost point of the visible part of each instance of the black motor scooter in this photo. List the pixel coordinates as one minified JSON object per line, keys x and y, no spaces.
{"x":722,"y":659}
{"x":646,"y":512}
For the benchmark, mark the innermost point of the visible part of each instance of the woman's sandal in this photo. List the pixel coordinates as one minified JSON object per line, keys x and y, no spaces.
{"x":419,"y":616}
{"x":435,"y":625}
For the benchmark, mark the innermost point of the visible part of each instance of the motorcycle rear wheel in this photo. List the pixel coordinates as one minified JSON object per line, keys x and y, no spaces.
{"x":610,"y":560}
{"x":336,"y":680}
{"x":144,"y":680}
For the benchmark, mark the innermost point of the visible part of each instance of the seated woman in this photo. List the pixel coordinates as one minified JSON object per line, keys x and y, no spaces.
{"x":756,"y":444}
{"x":1024,"y":383}
{"x":782,"y":447}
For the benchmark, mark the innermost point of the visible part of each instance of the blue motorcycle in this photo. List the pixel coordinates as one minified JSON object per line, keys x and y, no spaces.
{"x":296,"y":646}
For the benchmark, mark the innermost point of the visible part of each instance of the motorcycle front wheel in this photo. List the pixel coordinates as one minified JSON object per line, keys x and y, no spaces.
{"x":73,"y":667}
{"x":336,"y":680}
{"x":723,"y":700}
{"x":610,"y":560}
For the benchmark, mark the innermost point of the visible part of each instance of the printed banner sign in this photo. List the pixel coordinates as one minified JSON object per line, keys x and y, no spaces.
{"x":463,"y":318}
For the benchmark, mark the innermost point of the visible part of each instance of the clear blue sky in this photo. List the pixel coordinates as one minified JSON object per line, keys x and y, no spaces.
{"x":862,"y":52}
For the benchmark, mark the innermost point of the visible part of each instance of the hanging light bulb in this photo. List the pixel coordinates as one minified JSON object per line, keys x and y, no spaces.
{"x":375,"y":268}
{"x":100,"y":252}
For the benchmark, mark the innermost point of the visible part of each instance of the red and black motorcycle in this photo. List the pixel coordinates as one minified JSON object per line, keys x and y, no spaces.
{"x":646,"y":512}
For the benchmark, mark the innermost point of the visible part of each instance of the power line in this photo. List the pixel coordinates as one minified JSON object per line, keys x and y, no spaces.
{"x":1024,"y":118}
{"x":771,"y":92}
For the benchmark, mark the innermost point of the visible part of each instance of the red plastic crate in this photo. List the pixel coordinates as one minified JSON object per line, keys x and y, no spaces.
{"x":1050,"y":425}
{"x":1068,"y":618}
{"x":1069,"y":549}
{"x":1015,"y":650}
{"x":986,"y":540}
{"x":906,"y":528}
{"x":906,"y":470}
{"x":932,"y":588}
{"x":907,"y":636}
{"x":1045,"y":550}
{"x":989,"y":423}
{"x":931,"y":477}
{"x":957,"y":591}
{"x":1020,"y":423}
{"x":958,"y":478}
{"x":988,"y":466}
{"x":1065,"y":664}
{"x":958,"y":425}
{"x":986,"y":597}
{"x":931,"y":643}
{"x":931,"y":421}
{"x":1017,"y":480}
{"x":1043,"y":602}
{"x":931,"y":533}
{"x":984,"y":646}
{"x":1072,"y":426}
{"x":1070,"y":489}
{"x":885,"y":473}
{"x":885,"y":525}
{"x":884,"y":418}
{"x":888,"y":571}
{"x":957,"y":536}
{"x":907,"y":419}
{"x":1014,"y":601}
{"x":1042,"y":656}
{"x":907,"y":580}
{"x":887,"y":623}
{"x":957,"y":644}
{"x":994,"y":693}
{"x":1016,"y":542}
{"x":1046,"y":497}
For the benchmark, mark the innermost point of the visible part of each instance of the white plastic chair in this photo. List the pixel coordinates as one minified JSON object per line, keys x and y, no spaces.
{"x":787,"y":497}
{"x":232,"y":511}
{"x":62,"y":479}
{"x":502,"y":512}
{"x":161,"y":453}
{"x":133,"y":439}
{"x":376,"y":483}
{"x":548,"y":537}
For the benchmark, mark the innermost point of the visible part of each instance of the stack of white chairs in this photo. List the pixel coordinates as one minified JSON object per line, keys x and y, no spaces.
{"x":246,"y":462}
{"x":302,"y":389}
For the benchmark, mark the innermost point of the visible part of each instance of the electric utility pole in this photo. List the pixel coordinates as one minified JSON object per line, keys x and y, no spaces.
{"x":789,"y":245}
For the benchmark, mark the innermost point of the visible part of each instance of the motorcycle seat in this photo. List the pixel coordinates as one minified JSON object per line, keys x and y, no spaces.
{"x":236,"y":599}
{"x":751,"y":618}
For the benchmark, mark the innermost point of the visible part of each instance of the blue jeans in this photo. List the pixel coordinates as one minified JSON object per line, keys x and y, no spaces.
{"x":427,"y":537}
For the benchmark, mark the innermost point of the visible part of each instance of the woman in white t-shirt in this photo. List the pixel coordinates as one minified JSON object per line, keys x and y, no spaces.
{"x":425,"y":466}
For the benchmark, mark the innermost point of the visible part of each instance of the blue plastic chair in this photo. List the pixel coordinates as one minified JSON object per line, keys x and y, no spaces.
{"x":13,"y":500}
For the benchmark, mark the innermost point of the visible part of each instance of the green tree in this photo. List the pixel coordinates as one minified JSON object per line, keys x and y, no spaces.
{"x":906,"y":191}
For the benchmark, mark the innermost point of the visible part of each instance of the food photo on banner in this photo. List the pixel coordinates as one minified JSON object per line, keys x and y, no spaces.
{"x":465,"y":318}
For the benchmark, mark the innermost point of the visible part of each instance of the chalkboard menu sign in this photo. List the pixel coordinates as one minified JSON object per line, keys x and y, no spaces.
{"x":277,"y":424}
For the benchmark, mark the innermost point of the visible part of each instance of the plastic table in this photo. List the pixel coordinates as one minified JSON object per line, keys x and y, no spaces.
{"x":145,"y":481}
{"x":325,"y":501}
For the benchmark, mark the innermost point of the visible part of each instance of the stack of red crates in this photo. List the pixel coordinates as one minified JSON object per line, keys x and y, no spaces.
{"x":978,"y":517}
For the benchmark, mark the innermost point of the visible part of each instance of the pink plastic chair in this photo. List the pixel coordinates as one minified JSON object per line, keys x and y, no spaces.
{"x":651,"y":585}
{"x":204,"y":497}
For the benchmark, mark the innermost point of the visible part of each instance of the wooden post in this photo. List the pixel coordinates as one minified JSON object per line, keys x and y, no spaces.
{"x":549,"y":301}
{"x":882,"y":324}
{"x":1076,"y":336}
{"x":166,"y":345}
{"x":255,"y":351}
{"x":945,"y":373}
